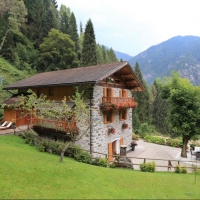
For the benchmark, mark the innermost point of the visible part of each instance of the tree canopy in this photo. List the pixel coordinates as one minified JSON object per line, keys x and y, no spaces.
{"x":57,"y":52}
{"x":184,"y":107}
{"x":89,"y":56}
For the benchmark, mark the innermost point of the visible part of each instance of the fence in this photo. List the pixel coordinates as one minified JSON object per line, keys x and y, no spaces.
{"x":161,"y":164}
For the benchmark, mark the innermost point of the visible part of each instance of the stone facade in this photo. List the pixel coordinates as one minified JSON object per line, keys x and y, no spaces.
{"x":99,"y":131}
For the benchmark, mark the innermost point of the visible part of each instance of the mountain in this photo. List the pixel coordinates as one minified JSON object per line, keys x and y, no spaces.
{"x":180,"y":53}
{"x":120,"y":55}
{"x":123,"y":56}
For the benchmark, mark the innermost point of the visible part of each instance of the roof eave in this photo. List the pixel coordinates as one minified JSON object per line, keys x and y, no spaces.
{"x":52,"y":85}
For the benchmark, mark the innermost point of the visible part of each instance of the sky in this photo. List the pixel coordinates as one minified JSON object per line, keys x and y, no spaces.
{"x":132,"y":26}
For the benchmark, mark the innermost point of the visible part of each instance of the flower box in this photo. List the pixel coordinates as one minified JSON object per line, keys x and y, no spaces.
{"x":111,"y":130}
{"x":124,"y":126}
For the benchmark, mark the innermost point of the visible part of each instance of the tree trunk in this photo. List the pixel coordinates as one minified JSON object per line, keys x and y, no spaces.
{"x":4,"y":38}
{"x":63,"y":152}
{"x":184,"y":148}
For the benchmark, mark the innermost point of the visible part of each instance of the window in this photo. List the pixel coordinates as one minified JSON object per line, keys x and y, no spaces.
{"x":108,"y":116}
{"x":108,"y":94}
{"x":51,"y":92}
{"x":123,"y":93}
{"x":39,"y":92}
{"x":123,"y":114}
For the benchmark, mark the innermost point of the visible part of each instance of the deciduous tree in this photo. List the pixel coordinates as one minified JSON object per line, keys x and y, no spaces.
{"x":184,"y":102}
{"x":57,"y":52}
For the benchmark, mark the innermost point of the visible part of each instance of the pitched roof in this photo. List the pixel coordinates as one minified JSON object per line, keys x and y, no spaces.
{"x":90,"y":74}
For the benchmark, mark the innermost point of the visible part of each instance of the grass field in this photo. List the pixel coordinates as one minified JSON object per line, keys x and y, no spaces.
{"x":26,"y":173}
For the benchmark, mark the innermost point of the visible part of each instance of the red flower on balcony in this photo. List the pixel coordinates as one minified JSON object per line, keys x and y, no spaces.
{"x":112,"y":130}
{"x":124,"y":126}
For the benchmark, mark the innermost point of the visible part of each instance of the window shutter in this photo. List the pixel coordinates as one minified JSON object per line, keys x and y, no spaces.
{"x":112,"y":117}
{"x":121,"y":141}
{"x":126,"y":114}
{"x":104,"y":117}
{"x":126,"y":93}
{"x":105,"y":92}
{"x":110,"y":157}
{"x":120,"y":93}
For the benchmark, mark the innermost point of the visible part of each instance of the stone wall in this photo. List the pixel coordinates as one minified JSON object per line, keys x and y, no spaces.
{"x":100,"y":137}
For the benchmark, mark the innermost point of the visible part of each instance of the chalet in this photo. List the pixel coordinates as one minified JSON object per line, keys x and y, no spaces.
{"x":112,"y":84}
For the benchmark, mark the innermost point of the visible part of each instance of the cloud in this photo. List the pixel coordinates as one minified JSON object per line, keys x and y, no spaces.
{"x":132,"y":26}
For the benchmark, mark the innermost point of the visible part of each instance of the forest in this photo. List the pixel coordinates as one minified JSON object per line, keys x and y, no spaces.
{"x":37,"y":36}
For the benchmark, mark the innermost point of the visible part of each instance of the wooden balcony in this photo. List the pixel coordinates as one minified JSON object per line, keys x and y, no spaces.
{"x":57,"y":126}
{"x":116,"y":100}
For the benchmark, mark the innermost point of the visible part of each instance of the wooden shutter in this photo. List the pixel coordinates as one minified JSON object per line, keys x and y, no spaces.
{"x":105,"y":92}
{"x":112,"y":116}
{"x":121,"y":141}
{"x":120,"y":93}
{"x":110,"y":157}
{"x":126,"y":93}
{"x":126,"y":114}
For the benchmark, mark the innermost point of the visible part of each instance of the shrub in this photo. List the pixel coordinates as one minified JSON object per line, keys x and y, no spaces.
{"x":179,"y":169}
{"x":83,"y":156}
{"x":154,"y":139}
{"x":144,"y":129}
{"x":184,"y":170}
{"x":135,"y":137}
{"x":195,"y":169}
{"x":102,"y":162}
{"x":112,"y":165}
{"x":29,"y":136}
{"x":174,"y":143}
{"x":148,"y":167}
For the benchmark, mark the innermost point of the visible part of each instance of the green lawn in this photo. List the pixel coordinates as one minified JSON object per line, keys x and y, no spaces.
{"x":27,"y":173}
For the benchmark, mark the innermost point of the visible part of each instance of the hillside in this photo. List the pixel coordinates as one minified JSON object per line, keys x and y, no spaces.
{"x":9,"y":74}
{"x":123,"y":56}
{"x":180,"y":53}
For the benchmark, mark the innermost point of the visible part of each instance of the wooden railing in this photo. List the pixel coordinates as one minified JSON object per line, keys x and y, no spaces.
{"x":118,"y":99}
{"x":63,"y":126}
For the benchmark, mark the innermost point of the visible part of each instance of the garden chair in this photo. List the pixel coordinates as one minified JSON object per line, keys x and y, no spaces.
{"x":6,"y":127}
{"x":4,"y":124}
{"x":192,"y":153}
{"x":197,"y":155}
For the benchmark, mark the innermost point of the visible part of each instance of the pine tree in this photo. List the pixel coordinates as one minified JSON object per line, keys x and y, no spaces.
{"x":89,"y":56}
{"x":42,"y":16}
{"x":142,"y":112}
{"x":64,"y":17}
{"x":73,"y":31}
{"x":111,"y":55}
{"x":159,"y":110}
{"x":55,"y":3}
{"x":99,"y":55}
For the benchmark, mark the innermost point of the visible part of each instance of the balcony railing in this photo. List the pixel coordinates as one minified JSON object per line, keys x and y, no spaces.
{"x":118,"y":99}
{"x":117,"y":103}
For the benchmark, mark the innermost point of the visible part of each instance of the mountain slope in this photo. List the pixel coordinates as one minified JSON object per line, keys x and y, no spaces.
{"x":180,"y":53}
{"x":123,"y":56}
{"x":9,"y":74}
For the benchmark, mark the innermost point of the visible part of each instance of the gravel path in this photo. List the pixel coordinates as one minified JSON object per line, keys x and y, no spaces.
{"x":152,"y":152}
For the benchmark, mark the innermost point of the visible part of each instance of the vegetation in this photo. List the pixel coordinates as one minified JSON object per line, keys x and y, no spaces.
{"x":142,"y":113}
{"x":23,"y":165}
{"x":57,"y":52}
{"x":89,"y":56}
{"x":148,"y":167}
{"x":184,"y":113}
